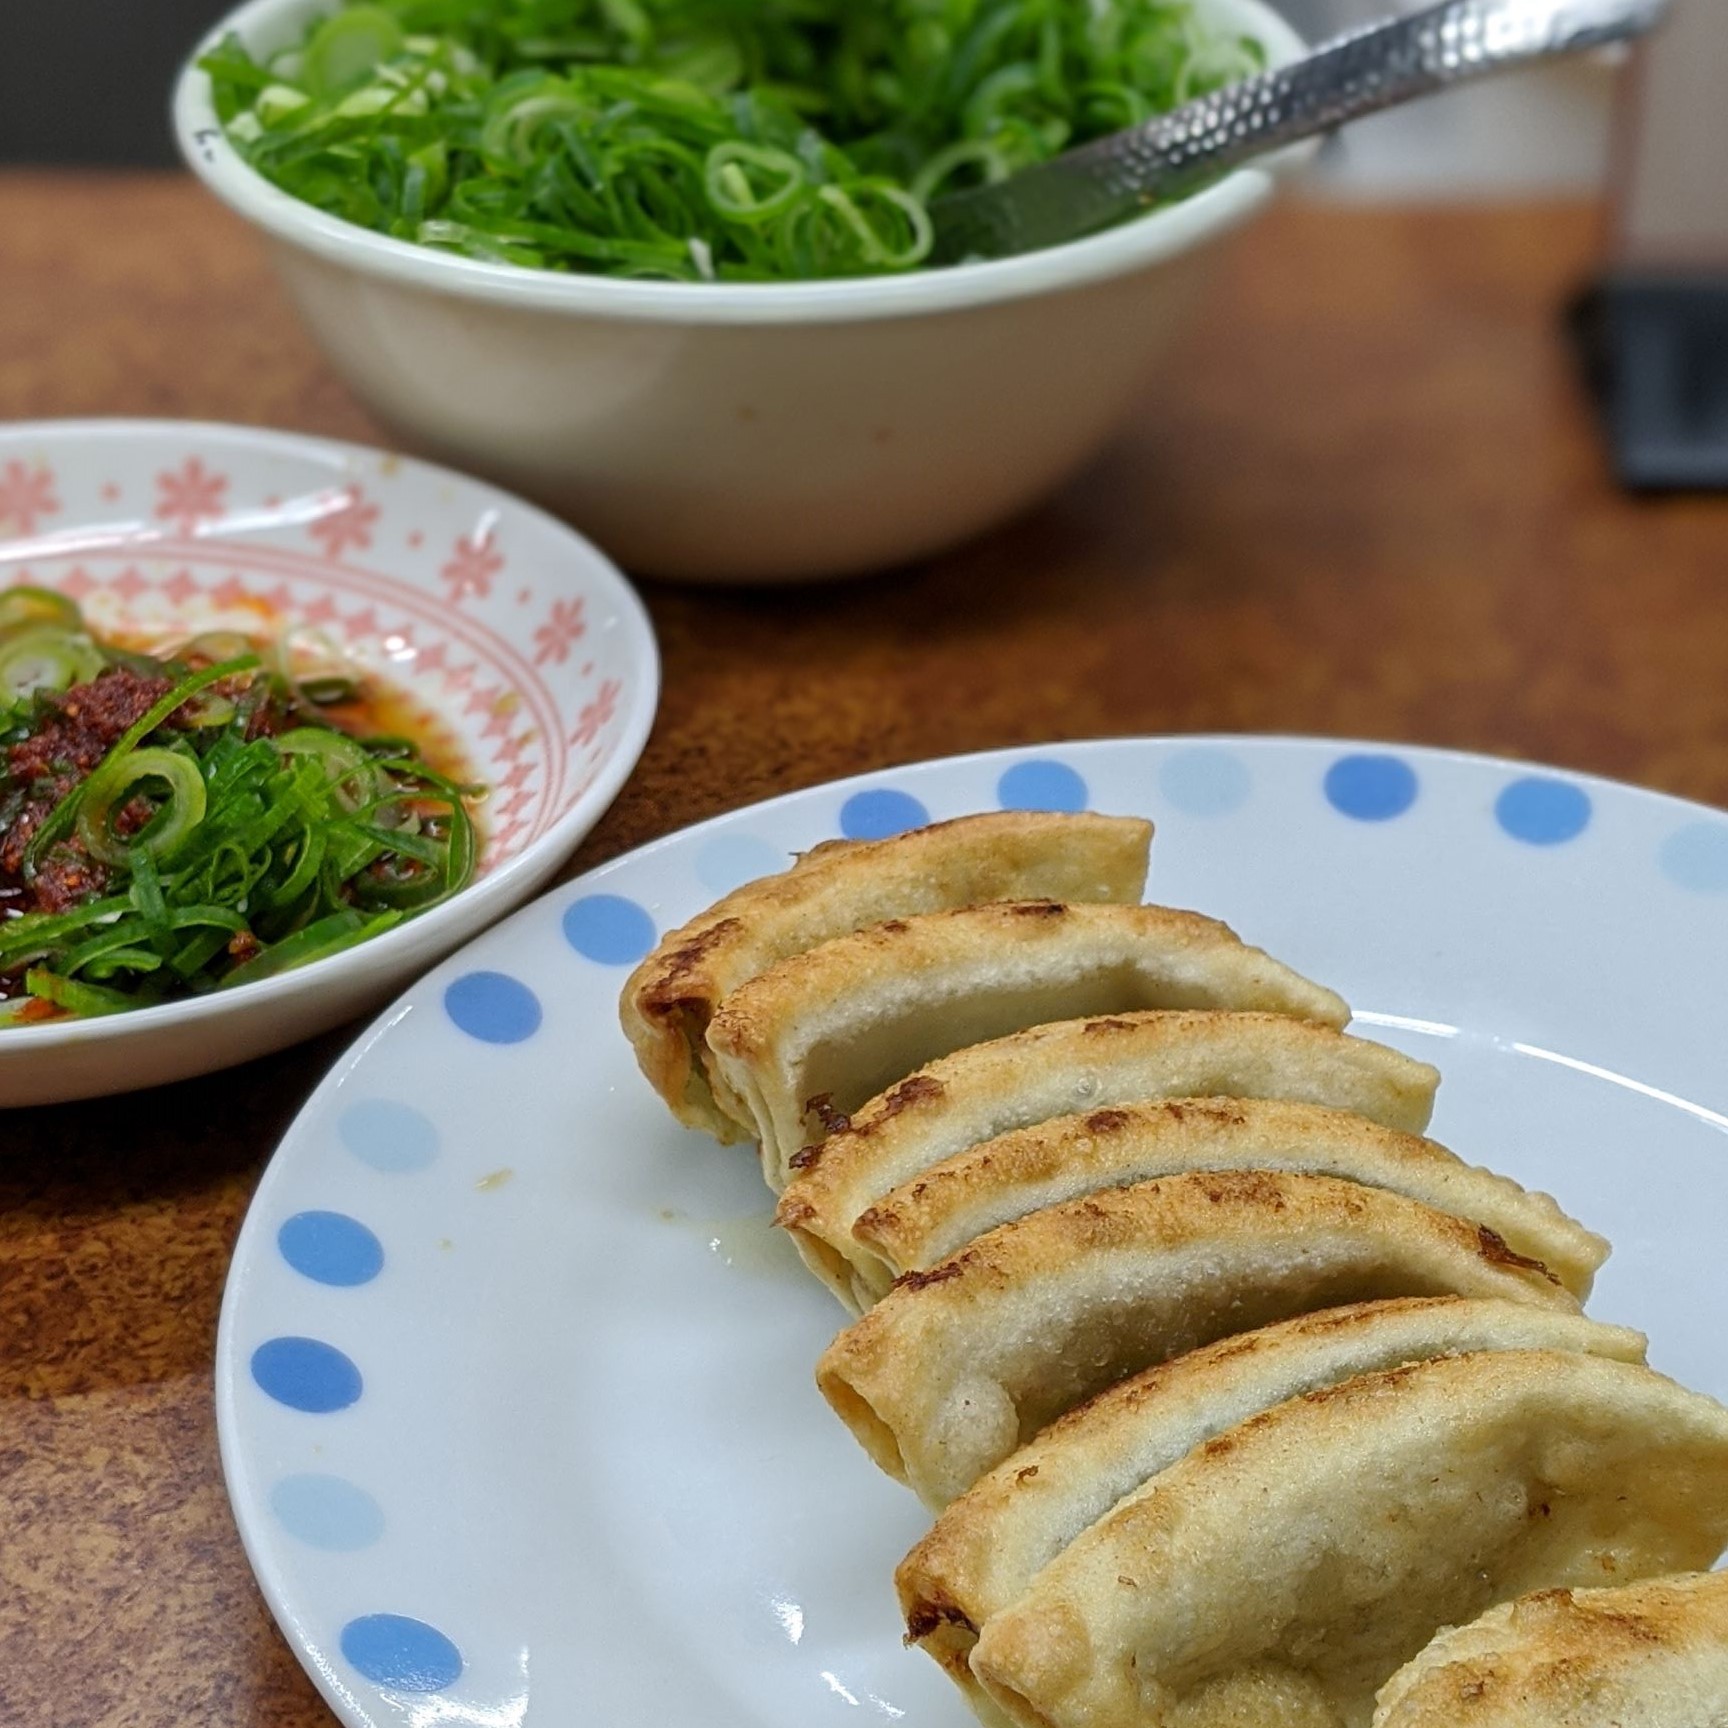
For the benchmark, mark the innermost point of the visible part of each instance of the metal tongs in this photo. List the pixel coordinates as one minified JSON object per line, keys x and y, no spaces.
{"x":1361,"y":73}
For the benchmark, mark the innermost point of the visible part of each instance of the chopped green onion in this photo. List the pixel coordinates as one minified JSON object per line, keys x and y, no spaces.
{"x":62,"y":816}
{"x":49,"y":657}
{"x":86,"y":1000}
{"x":177,"y":812}
{"x":213,"y":646}
{"x":209,"y":846}
{"x":697,"y":140}
{"x":331,"y":935}
{"x":23,"y":606}
{"x":353,"y":777}
{"x":344,"y":51}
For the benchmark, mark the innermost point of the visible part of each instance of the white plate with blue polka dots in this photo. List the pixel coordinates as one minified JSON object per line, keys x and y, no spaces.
{"x":514,"y":1378}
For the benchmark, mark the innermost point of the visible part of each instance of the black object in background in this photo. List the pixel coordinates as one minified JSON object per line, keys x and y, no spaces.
{"x":1655,"y":328}
{"x":87,"y":81}
{"x":1656,"y":353}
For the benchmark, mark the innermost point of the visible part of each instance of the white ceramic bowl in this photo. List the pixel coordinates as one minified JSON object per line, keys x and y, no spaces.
{"x":520,"y":649}
{"x":732,"y":432}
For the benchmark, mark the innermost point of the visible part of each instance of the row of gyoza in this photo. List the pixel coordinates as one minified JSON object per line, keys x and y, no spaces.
{"x":1229,"y":1389}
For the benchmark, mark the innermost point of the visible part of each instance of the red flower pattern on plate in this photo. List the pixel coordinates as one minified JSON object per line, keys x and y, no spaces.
{"x":348,"y":526}
{"x":595,"y":714}
{"x":190,"y":495}
{"x":564,"y":627}
{"x":26,"y":496}
{"x":472,"y":566}
{"x":506,"y":755}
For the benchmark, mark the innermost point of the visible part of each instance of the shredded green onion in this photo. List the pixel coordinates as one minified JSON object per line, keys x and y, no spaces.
{"x":48,"y":657}
{"x":694,"y":140}
{"x":23,"y":606}
{"x":228,"y":833}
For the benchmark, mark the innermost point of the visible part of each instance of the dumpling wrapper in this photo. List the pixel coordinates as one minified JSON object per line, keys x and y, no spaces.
{"x":1647,"y":1655}
{"x":847,"y":885}
{"x":817,"y":1035}
{"x":988,"y":1546}
{"x":1279,"y":1574}
{"x":957,"y":1366}
{"x":939,"y":1212}
{"x":1050,"y":1071}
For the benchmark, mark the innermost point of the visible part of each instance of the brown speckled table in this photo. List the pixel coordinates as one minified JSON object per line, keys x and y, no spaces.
{"x":1371,"y":503}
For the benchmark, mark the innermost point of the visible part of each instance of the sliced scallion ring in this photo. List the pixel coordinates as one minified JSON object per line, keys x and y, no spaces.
{"x":24,"y":606}
{"x":49,"y":657}
{"x":315,"y":670}
{"x":212,"y":646}
{"x":348,"y":47}
{"x":355,"y":778}
{"x":180,"y":805}
{"x":748,"y":183}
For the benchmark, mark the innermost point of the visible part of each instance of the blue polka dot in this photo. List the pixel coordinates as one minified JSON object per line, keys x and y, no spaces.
{"x":877,"y":815}
{"x":493,"y":1007}
{"x":1371,"y":788}
{"x":1205,"y":781}
{"x":1543,"y":812}
{"x":391,"y":1137}
{"x":1696,"y":857}
{"x":608,"y":928}
{"x":326,"y":1512}
{"x":306,"y":1375}
{"x":331,"y":1248}
{"x":728,"y":861}
{"x":403,"y":1654}
{"x":1041,"y":785}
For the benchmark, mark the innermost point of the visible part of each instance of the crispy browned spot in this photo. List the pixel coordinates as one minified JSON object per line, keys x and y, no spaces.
{"x":927,"y":1616}
{"x":1389,"y":1378}
{"x":806,"y":1156}
{"x":1246,"y":1187}
{"x":1036,"y":909}
{"x":822,"y":1108}
{"x":892,"y":926}
{"x":669,"y":989}
{"x":914,"y":1089}
{"x":794,"y":1212}
{"x":1208,"y":1110}
{"x":936,"y":1275}
{"x":1494,"y":1249}
{"x":1633,"y":1626}
{"x":1025,"y":1473}
{"x":1108,"y":1025}
{"x":877,"y":1217}
{"x":1107,"y":1121}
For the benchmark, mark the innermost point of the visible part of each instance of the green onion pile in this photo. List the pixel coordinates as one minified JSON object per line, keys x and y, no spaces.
{"x":227,"y":833}
{"x":697,"y":140}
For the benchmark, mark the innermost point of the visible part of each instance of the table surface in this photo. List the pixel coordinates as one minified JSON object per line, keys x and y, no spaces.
{"x":1369,"y":503}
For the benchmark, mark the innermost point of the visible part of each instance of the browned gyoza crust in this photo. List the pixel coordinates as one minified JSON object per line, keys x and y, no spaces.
{"x":1286,"y":1569}
{"x":966,"y":1099}
{"x":939,"y":1212}
{"x":811,"y":1039}
{"x":987,"y":1547}
{"x":847,"y":885}
{"x":1645,"y":1655}
{"x":960,"y":1364}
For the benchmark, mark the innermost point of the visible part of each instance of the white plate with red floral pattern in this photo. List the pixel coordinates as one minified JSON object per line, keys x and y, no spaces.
{"x":518,"y":647}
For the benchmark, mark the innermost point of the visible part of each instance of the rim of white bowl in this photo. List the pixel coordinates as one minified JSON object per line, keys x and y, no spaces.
{"x":1150,"y":240}
{"x":422,"y":939}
